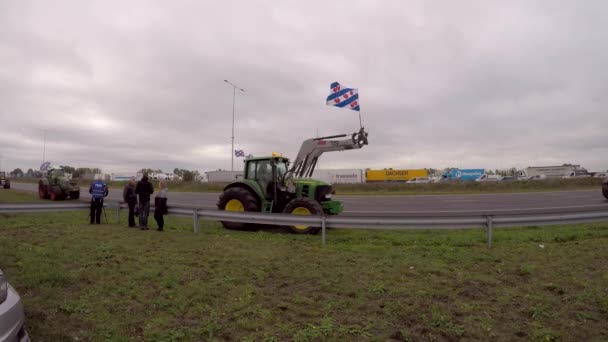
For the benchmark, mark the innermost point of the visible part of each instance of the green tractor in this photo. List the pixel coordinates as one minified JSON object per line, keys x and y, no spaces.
{"x":55,"y":186}
{"x":270,"y":185}
{"x":4,"y":182}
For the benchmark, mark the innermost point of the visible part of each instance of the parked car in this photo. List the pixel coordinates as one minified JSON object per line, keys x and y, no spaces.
{"x":600,"y":175}
{"x":577,"y":174}
{"x":538,"y":177}
{"x":435,"y":179}
{"x":508,"y":179}
{"x":489,"y":178}
{"x":12,"y":316}
{"x":419,"y":180}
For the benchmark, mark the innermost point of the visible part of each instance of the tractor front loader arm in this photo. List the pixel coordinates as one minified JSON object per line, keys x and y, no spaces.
{"x":304,"y":164}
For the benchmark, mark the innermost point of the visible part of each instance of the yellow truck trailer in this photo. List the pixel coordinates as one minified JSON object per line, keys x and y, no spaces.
{"x":394,"y":175}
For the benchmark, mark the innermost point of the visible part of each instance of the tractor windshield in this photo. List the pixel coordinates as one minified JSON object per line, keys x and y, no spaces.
{"x":281,"y":169}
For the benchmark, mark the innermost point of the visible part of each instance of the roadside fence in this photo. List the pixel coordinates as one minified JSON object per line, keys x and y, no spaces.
{"x":488,"y":222}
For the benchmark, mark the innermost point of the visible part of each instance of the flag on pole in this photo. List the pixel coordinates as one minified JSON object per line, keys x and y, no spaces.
{"x":239,"y":153}
{"x":343,"y":97}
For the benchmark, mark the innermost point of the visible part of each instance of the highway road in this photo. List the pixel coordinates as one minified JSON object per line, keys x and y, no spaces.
{"x":418,"y":205}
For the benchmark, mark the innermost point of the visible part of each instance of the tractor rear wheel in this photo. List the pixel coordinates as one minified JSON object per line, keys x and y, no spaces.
{"x":303,"y":206}
{"x":605,"y":189}
{"x":43,"y":191}
{"x":238,"y":199}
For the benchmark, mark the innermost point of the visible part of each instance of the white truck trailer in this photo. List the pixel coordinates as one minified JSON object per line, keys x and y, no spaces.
{"x":550,"y":171}
{"x":223,"y":176}
{"x":340,"y":176}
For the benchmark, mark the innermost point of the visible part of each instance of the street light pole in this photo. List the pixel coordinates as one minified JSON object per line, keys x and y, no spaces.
{"x":44,"y":147}
{"x":234,"y":88}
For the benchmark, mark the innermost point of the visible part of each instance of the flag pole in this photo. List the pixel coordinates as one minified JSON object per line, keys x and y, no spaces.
{"x":360,"y":122}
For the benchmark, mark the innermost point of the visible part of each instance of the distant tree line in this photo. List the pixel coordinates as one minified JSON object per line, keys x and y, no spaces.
{"x":76,"y":172}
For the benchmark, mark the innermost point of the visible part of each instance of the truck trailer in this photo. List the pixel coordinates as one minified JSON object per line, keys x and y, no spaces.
{"x":462,"y":174}
{"x":394,"y":175}
{"x":550,"y":171}
{"x":340,"y":176}
{"x":223,"y":176}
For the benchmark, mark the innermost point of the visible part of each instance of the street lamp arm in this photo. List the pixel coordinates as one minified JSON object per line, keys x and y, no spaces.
{"x":234,"y":85}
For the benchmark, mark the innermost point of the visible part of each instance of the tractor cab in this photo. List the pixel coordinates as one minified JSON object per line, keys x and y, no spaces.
{"x":4,"y":182}
{"x":267,"y":172}
{"x":55,"y":177}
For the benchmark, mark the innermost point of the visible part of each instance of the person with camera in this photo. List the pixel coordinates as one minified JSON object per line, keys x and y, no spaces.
{"x":129,"y":197}
{"x":98,"y":191}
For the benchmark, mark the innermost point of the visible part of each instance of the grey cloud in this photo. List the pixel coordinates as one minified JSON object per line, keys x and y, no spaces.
{"x":124,"y":86}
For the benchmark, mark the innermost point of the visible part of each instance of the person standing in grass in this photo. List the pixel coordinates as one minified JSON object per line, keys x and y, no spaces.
{"x":129,"y":196}
{"x":144,"y":189}
{"x":98,"y":191}
{"x":160,"y":205}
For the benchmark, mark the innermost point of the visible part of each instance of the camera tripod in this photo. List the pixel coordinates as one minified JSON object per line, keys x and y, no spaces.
{"x":103,"y":209}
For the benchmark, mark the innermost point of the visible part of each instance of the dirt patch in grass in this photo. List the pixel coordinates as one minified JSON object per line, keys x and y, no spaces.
{"x":109,"y":282}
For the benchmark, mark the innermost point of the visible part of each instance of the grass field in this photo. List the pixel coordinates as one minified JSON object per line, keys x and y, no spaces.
{"x":109,"y":282}
{"x":412,"y":189}
{"x":16,"y":196}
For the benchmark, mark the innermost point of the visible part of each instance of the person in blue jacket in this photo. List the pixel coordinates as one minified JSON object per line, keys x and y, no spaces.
{"x":98,"y":191}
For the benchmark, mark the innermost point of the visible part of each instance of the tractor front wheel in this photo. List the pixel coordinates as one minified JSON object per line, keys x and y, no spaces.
{"x":303,"y":206}
{"x":238,"y":199}
{"x":74,"y":195}
{"x":55,"y":193}
{"x":605,"y":189}
{"x":43,"y":191}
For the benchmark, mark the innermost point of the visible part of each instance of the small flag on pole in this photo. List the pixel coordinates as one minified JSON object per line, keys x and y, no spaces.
{"x":343,"y":97}
{"x":239,"y":153}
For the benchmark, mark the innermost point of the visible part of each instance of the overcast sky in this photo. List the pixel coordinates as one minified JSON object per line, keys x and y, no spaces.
{"x":124,"y":85}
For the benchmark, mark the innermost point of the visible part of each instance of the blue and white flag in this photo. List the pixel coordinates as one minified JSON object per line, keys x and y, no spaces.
{"x":341,"y":96}
{"x":239,"y":153}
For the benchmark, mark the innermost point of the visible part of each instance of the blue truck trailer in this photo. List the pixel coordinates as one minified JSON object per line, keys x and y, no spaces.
{"x":462,"y":174}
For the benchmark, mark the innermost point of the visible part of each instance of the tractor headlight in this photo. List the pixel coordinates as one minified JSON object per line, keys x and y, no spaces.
{"x":329,"y":196}
{"x":3,"y":287}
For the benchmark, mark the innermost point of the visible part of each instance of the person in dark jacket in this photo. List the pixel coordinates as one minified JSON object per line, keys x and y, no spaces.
{"x":160,"y":205}
{"x":129,"y":197}
{"x":98,"y":191}
{"x":144,"y":189}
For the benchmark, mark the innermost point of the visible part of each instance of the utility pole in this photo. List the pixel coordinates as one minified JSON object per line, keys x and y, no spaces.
{"x":234,"y":88}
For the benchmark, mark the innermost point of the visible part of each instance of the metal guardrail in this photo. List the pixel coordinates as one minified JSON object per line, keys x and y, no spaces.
{"x":472,"y":222}
{"x":41,"y":207}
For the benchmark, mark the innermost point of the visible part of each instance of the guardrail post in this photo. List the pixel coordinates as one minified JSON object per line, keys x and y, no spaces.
{"x":195,"y":220}
{"x":323,"y":229}
{"x":489,"y":224}
{"x":118,"y":213}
